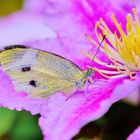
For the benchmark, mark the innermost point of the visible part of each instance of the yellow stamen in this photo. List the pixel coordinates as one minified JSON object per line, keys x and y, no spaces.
{"x":123,"y":51}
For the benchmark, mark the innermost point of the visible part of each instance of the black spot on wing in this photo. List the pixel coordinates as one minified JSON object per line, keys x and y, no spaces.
{"x":14,"y":46}
{"x":25,"y":69}
{"x":33,"y":83}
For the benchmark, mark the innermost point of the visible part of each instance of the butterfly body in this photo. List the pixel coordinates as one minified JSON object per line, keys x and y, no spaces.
{"x":40,"y":73}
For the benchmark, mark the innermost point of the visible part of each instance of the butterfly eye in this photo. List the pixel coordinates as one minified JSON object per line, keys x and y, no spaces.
{"x":24,"y":69}
{"x":33,"y":83}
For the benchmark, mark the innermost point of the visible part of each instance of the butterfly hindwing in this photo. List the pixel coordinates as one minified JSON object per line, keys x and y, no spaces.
{"x":37,"y":72}
{"x":38,"y":84}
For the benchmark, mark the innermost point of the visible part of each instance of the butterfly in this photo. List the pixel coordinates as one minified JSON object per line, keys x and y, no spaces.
{"x":40,"y":73}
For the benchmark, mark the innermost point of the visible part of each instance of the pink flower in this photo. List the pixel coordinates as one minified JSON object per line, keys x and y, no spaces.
{"x":60,"y":27}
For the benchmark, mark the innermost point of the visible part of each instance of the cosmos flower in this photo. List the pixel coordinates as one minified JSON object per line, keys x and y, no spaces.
{"x":60,"y":27}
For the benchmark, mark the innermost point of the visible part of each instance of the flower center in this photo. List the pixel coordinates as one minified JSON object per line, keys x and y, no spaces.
{"x":123,"y":51}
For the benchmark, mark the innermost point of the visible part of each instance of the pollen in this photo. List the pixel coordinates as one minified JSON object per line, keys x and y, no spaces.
{"x":122,"y":47}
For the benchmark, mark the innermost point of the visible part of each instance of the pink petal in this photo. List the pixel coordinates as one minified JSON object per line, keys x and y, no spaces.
{"x":133,"y":98}
{"x":64,"y":117}
{"x":22,"y":27}
{"x":135,"y":135}
{"x":35,"y":6}
{"x":83,"y":14}
{"x":128,"y":87}
{"x":90,"y":11}
{"x":67,"y":117}
{"x":77,"y":19}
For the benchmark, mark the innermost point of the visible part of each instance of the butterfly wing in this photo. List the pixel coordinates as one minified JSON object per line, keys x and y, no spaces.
{"x":37,"y":72}
{"x":38,"y":84}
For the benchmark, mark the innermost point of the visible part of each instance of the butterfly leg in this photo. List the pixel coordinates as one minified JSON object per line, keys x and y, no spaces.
{"x":86,"y":90}
{"x":69,"y":97}
{"x":89,"y":81}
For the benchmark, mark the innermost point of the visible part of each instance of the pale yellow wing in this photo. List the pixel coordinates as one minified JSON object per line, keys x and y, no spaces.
{"x":37,"y":72}
{"x":38,"y":84}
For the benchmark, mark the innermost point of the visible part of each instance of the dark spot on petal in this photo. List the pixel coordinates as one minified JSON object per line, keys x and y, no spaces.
{"x":32,"y":83}
{"x":122,"y":69}
{"x":24,"y":69}
{"x":133,"y":74}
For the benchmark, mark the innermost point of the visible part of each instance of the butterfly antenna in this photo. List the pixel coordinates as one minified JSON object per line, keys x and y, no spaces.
{"x":97,"y":49}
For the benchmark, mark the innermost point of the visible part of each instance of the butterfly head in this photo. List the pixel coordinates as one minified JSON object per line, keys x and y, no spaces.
{"x":87,"y":78}
{"x":89,"y":75}
{"x":90,"y":72}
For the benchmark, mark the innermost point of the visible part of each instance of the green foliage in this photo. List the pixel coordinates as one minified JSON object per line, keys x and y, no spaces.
{"x":16,"y":125}
{"x":7,"y":118}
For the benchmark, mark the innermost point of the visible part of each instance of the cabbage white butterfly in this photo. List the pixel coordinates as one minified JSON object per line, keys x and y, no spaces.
{"x":41,"y":73}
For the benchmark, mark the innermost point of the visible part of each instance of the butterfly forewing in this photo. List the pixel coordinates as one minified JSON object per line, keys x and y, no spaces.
{"x":39,"y":73}
{"x":58,"y":66}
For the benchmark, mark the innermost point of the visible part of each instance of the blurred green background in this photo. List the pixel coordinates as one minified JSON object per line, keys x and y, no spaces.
{"x":9,"y":6}
{"x":16,"y":125}
{"x":117,"y":124}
